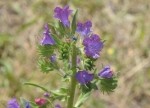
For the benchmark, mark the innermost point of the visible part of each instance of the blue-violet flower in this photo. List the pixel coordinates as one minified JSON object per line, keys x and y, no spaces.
{"x":84,"y":29}
{"x":106,"y":72}
{"x":53,"y":58}
{"x":57,"y":106}
{"x":92,"y":46}
{"x":13,"y":103}
{"x":47,"y":94}
{"x":83,"y":77}
{"x":62,"y":14}
{"x":47,"y":39}
{"x":27,"y":105}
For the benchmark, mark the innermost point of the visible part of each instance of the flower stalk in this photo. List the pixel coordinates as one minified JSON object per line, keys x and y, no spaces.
{"x":73,"y":80}
{"x":78,"y":59}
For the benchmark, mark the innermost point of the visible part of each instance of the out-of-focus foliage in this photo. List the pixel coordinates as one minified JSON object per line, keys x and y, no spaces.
{"x":124,"y":24}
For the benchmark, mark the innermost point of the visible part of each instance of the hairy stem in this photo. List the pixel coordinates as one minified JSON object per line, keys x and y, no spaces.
{"x":73,"y":80}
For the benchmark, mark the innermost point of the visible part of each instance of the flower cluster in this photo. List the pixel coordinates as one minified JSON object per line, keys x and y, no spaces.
{"x":71,"y":49}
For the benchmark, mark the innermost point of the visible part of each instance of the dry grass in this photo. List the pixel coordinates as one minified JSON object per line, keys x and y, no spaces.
{"x":125,"y":24}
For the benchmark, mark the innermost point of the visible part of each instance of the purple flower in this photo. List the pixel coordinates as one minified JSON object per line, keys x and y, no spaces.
{"x":47,"y":39}
{"x":84,"y":29}
{"x":62,"y":14}
{"x":57,"y":106}
{"x":47,"y":94}
{"x":13,"y":103}
{"x":83,"y":77}
{"x":53,"y":58}
{"x":106,"y":72}
{"x":92,"y":46}
{"x":27,"y":105}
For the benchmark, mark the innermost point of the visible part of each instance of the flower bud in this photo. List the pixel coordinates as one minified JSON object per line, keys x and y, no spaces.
{"x":40,"y":101}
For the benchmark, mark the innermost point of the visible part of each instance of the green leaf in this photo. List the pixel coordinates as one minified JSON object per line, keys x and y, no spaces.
{"x":108,"y":84}
{"x":56,"y":38}
{"x":74,"y":23}
{"x":46,"y":50}
{"x":36,"y":85}
{"x":61,"y":28}
{"x":45,"y":66}
{"x":52,"y":27}
{"x":89,"y":63}
{"x":88,"y":87}
{"x":82,"y":98}
{"x":60,"y":94}
{"x":33,"y":105}
{"x":24,"y":102}
{"x":64,"y":90}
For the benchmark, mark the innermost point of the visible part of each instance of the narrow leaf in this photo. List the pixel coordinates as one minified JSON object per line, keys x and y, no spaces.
{"x":25,"y":103}
{"x":35,"y":85}
{"x":74,"y":23}
{"x":61,"y":28}
{"x":45,"y":50}
{"x":82,"y":98}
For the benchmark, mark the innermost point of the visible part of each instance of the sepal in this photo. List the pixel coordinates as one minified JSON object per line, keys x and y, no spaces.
{"x":108,"y":84}
{"x":88,"y":87}
{"x":89,"y":63}
{"x":27,"y":104}
{"x":61,"y":28}
{"x":45,"y":50}
{"x":60,"y":94}
{"x":45,"y":66}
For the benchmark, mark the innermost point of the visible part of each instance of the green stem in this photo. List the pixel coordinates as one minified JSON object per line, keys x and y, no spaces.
{"x":32,"y":84}
{"x":73,"y":80}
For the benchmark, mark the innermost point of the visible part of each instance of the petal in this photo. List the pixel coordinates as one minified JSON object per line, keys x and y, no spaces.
{"x":47,"y":39}
{"x":92,"y":46}
{"x":83,"y":77}
{"x":62,"y":14}
{"x":66,"y":7}
{"x":27,"y":105}
{"x":57,"y":9}
{"x":88,"y":24}
{"x":79,"y":27}
{"x":106,"y":72}
{"x":57,"y":106}
{"x":84,"y":29}
{"x":13,"y":103}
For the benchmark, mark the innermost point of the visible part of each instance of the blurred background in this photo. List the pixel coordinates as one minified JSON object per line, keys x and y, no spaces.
{"x":124,"y":24}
